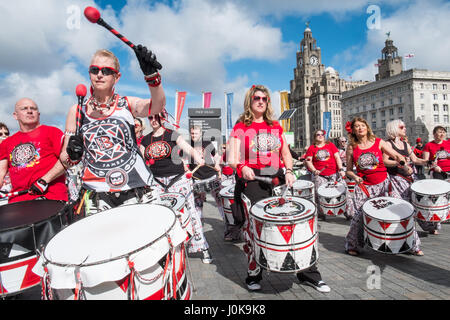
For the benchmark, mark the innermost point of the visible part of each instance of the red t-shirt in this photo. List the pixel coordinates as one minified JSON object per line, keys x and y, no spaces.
{"x":30,"y":156}
{"x":369,"y":163}
{"x":261,"y":144}
{"x":441,"y":152}
{"x":323,"y":157}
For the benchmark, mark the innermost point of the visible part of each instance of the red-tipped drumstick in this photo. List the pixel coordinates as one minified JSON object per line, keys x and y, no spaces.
{"x":190,"y":174}
{"x":273,"y":181}
{"x":81,"y":92}
{"x":93,"y":15}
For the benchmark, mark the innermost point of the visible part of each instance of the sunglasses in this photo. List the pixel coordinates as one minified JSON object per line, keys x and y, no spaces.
{"x":401,"y":127}
{"x":258,"y":98}
{"x":4,"y":134}
{"x":106,"y":71}
{"x":319,"y":134}
{"x":156,"y":117}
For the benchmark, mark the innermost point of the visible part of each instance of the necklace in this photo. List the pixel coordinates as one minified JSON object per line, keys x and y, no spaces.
{"x":97,"y":106}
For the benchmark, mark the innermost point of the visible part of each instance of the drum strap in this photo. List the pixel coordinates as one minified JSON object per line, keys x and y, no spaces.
{"x":166,"y":187}
{"x":409,"y":179}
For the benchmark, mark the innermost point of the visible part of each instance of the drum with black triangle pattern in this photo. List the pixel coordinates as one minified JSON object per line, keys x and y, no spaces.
{"x":285,"y":235}
{"x":332,"y":198}
{"x":389,"y":225}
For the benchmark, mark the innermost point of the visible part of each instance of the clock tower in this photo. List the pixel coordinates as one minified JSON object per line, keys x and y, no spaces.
{"x":308,"y":72}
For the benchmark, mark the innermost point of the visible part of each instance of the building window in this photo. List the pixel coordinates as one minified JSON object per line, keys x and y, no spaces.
{"x":421,"y":85}
{"x":400,"y":109}
{"x":383,"y":113}
{"x":422,"y":107}
{"x":391,"y":101}
{"x":374,"y":125}
{"x":444,"y":96}
{"x":446,"y":118}
{"x":445,"y":107}
{"x":435,"y":96}
{"x":434,"y":86}
{"x":399,"y":99}
{"x":374,"y":115}
{"x":391,"y":112}
{"x":436,"y":118}
{"x":435,"y":107}
{"x":444,"y":86}
{"x":422,"y":96}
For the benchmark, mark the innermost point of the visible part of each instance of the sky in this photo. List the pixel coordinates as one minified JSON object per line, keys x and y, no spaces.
{"x":205,"y":46}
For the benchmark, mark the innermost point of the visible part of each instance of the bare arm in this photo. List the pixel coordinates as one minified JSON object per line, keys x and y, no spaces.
{"x":350,"y":174}
{"x":3,"y":170}
{"x":140,"y":107}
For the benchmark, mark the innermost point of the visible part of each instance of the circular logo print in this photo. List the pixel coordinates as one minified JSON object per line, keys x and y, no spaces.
{"x":117,"y":178}
{"x":289,"y":208}
{"x":24,"y":155}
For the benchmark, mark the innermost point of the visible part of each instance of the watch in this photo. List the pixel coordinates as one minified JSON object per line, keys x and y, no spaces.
{"x":313,"y":60}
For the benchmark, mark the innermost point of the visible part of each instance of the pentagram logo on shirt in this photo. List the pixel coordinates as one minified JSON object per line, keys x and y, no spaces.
{"x":108,"y":142}
{"x":24,"y":155}
{"x":367,"y":161}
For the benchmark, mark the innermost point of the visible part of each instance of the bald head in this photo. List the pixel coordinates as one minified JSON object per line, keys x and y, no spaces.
{"x":26,"y":112}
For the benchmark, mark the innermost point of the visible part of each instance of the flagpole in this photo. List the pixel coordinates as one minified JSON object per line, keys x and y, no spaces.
{"x":176,"y":109}
{"x":203,"y":99}
{"x":226,"y":116}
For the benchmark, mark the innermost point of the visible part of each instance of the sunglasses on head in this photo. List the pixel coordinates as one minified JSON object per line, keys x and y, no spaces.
{"x":106,"y":71}
{"x":258,"y":98}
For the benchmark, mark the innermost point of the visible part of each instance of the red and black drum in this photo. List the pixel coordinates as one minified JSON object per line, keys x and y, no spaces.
{"x":25,"y":227}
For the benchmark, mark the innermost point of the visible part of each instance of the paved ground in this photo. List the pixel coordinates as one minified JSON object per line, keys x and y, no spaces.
{"x":402,"y":277}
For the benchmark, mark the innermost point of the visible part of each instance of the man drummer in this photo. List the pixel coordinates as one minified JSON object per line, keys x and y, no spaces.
{"x":31,"y":156}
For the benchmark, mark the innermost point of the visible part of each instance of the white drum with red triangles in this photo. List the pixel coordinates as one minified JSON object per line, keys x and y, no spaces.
{"x":430,"y":198}
{"x":389,"y":224}
{"x":303,"y":189}
{"x":332,"y":198}
{"x":176,"y":201}
{"x":129,"y":252}
{"x":351,"y":184}
{"x":285,"y":236}
{"x":227,"y":198}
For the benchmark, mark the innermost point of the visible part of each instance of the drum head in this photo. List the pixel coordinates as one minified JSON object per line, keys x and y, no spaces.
{"x":110,"y":234}
{"x":295,"y":208}
{"x":24,"y":213}
{"x":228,"y":191}
{"x":302,"y":184}
{"x":431,"y":186}
{"x":331,"y":191}
{"x":172,"y":200}
{"x":388,"y":209}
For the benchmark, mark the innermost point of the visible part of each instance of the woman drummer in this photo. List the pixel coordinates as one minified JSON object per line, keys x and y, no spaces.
{"x":438,"y":152}
{"x":162,"y":149}
{"x":114,"y":170}
{"x":401,"y":178}
{"x":258,"y":148}
{"x":365,"y":151}
{"x":324,"y":162}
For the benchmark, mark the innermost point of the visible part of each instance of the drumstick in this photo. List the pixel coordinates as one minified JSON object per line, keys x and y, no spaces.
{"x":13,"y":194}
{"x":273,"y":181}
{"x":189,"y":174}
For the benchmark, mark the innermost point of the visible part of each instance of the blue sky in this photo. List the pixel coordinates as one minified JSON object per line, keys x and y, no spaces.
{"x":204,"y":45}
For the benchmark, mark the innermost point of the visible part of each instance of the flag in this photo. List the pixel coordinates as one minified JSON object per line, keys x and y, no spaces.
{"x":327,"y":123}
{"x":411,"y":55}
{"x":229,"y":103}
{"x":377,"y":64}
{"x":180,"y":98}
{"x":206,"y":100}
{"x":284,"y":105}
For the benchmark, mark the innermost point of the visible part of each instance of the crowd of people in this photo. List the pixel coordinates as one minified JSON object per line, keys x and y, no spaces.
{"x":120,"y":165}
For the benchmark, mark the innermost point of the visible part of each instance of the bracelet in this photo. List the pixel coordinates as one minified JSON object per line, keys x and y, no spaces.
{"x":153,"y":80}
{"x":289,"y":170}
{"x":70,"y":162}
{"x":239,"y":168}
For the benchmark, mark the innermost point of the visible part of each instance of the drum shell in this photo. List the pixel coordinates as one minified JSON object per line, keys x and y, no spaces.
{"x":227,"y":198}
{"x":206,"y":185}
{"x":303,"y":189}
{"x":37,"y":221}
{"x":431,"y":205}
{"x":389,"y":236}
{"x":285,"y":246}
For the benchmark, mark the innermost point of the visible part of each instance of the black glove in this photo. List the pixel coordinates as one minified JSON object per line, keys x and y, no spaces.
{"x":75,"y":148}
{"x":147,"y":60}
{"x":39,"y":187}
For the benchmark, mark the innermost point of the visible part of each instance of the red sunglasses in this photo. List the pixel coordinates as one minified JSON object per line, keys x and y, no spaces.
{"x":106,"y":71}
{"x":258,"y":98}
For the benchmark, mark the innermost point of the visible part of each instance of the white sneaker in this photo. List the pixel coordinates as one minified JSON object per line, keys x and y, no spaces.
{"x":320,"y":286}
{"x":253,"y":286}
{"x":206,"y":257}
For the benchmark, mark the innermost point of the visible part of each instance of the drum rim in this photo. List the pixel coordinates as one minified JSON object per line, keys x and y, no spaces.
{"x":285,"y":221}
{"x":127,"y":255}
{"x":226,"y":193}
{"x":59,"y":213}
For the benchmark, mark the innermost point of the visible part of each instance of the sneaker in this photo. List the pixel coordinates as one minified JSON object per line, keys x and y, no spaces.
{"x":253,"y":286}
{"x":206,"y":257}
{"x":319,"y":286}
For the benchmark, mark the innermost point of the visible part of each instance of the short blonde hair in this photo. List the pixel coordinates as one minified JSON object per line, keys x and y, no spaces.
{"x":108,"y":54}
{"x":392,"y":128}
{"x":247,"y":117}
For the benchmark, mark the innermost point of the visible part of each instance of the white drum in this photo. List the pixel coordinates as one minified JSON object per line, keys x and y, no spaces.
{"x":128,"y":252}
{"x":389,"y":225}
{"x":227,"y":198}
{"x":430,"y":198}
{"x":285,"y":236}
{"x":332,"y":198}
{"x":176,"y":202}
{"x":303,"y":189}
{"x":228,"y":182}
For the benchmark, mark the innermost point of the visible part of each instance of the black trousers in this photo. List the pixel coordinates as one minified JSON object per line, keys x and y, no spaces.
{"x":257,"y":190}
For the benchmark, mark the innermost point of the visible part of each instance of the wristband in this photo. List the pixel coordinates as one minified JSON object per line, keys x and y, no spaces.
{"x":70,"y":162}
{"x":153,"y":80}
{"x":239,"y":169}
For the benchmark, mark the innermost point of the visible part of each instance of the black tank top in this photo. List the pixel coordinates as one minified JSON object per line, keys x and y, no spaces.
{"x":404,"y":152}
